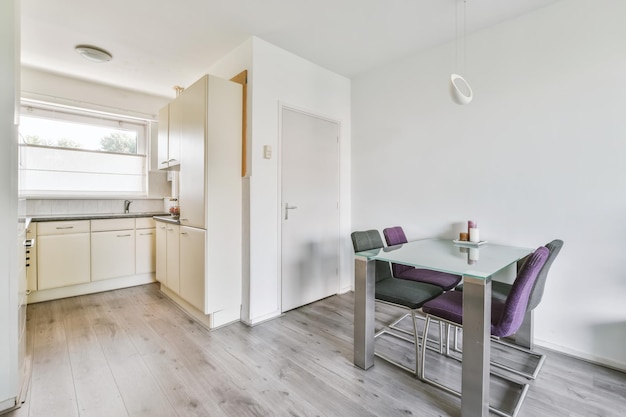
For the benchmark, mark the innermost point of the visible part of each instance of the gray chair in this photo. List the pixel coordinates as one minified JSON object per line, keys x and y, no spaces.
{"x":500,"y":291}
{"x":506,"y":316}
{"x":410,"y":295}
{"x":395,"y":236}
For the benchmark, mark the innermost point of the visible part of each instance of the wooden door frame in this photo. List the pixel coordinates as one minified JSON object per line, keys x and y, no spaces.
{"x":242,"y":78}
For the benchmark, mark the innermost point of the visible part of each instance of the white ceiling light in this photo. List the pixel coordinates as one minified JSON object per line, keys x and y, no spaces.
{"x":93,"y":53}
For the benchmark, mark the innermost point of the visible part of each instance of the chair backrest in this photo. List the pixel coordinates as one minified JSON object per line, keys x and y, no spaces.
{"x":395,"y":236}
{"x":370,"y":239}
{"x":537,"y":293}
{"x":515,"y":305}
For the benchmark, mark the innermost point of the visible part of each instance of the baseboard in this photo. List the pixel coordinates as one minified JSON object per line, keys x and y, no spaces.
{"x":209,"y":321}
{"x":90,"y":288}
{"x":262,"y":319}
{"x":597,"y":360}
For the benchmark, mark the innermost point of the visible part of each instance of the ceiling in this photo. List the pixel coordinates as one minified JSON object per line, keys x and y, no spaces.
{"x":157,"y":44}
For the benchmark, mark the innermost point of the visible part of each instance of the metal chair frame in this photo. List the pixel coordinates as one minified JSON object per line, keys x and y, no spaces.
{"x":422,"y":373}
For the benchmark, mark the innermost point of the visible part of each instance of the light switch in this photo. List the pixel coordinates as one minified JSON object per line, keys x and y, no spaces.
{"x":267,"y":152}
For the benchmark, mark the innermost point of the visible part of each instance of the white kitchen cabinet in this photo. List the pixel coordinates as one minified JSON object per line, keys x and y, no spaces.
{"x":145,"y":241}
{"x":192,"y":268}
{"x":210,"y":194}
{"x":112,"y":254}
{"x":161,"y":253}
{"x":210,"y":170}
{"x":63,"y":254}
{"x":169,"y":135}
{"x":172,"y":262}
{"x":112,"y":248}
{"x":31,"y":258}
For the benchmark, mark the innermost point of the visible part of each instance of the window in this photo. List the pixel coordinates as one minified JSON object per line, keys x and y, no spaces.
{"x":68,"y":152}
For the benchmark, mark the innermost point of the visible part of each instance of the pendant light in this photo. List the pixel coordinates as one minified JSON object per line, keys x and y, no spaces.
{"x":460,"y":90}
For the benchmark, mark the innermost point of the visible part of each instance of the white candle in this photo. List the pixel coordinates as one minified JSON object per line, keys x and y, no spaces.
{"x":474,"y":235}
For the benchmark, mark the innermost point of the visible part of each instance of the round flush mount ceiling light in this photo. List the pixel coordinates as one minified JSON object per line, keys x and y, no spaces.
{"x":93,"y":54}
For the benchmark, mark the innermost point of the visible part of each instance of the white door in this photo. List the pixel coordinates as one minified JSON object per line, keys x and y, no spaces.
{"x":310,"y":208}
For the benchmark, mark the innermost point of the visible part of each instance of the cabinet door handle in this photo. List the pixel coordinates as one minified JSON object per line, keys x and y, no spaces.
{"x":145,"y":234}
{"x":164,"y":162}
{"x":172,"y":160}
{"x":183,"y":233}
{"x":128,"y":235}
{"x":64,"y":227}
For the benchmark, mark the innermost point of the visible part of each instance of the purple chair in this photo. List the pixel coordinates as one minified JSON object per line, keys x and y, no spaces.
{"x":506,"y":316}
{"x":395,"y":236}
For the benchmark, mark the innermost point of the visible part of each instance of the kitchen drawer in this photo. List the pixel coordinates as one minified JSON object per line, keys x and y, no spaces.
{"x":102,"y":225}
{"x":145,"y":223}
{"x":62,"y":228}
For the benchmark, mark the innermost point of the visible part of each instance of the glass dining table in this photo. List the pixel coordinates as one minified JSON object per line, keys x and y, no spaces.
{"x":477,"y":265}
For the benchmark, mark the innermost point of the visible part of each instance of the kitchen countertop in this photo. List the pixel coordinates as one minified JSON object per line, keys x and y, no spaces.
{"x":167,"y":219}
{"x":62,"y":217}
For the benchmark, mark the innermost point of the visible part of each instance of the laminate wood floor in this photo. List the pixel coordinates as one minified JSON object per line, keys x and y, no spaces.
{"x":133,"y":353}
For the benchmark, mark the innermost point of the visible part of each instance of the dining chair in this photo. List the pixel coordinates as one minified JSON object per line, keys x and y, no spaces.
{"x":500,"y":291}
{"x":395,"y":236}
{"x":402,"y":293}
{"x":506,"y":317}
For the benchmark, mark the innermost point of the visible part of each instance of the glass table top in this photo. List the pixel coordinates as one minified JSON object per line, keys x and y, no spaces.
{"x":446,"y":256}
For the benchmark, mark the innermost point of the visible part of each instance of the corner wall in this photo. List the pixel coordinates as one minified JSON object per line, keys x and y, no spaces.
{"x":538,"y":155}
{"x":277,"y":76}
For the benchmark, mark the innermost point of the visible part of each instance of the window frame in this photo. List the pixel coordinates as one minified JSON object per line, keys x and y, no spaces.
{"x":141,"y":126}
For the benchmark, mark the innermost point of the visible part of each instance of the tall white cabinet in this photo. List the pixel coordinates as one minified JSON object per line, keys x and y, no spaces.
{"x":12,"y":252}
{"x":210,"y":200}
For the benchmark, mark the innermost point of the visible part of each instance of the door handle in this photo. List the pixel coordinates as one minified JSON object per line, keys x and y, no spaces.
{"x":287,"y":208}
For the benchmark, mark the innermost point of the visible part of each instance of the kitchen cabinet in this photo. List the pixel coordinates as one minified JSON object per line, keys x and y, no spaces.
{"x":210,"y":152}
{"x":75,"y":257}
{"x":192,"y":268}
{"x":112,"y":248}
{"x":209,"y":258}
{"x":145,"y":241}
{"x":161,"y":253}
{"x":172,"y":272}
{"x":31,"y":258}
{"x":63,"y":254}
{"x":169,"y":134}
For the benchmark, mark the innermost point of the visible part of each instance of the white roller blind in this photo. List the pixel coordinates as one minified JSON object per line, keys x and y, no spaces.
{"x":65,"y":154}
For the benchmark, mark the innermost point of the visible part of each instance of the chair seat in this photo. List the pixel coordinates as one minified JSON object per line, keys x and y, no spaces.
{"x":406,"y":293}
{"x":441,"y":279}
{"x":449,"y":306}
{"x":499,"y":290}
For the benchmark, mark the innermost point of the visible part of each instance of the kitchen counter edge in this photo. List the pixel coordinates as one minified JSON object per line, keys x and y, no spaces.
{"x":67,"y":217}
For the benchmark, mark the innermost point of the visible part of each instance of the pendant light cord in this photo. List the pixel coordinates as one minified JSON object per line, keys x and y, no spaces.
{"x":456,"y":36}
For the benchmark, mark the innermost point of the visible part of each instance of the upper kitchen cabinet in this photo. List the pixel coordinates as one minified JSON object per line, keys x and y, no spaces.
{"x":210,"y":154}
{"x":169,"y":134}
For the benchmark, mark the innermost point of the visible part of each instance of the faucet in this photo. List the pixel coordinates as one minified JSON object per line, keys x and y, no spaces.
{"x":127,"y":206}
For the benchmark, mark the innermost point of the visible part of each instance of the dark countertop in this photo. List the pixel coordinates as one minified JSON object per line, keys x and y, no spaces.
{"x":62,"y":217}
{"x":167,"y":219}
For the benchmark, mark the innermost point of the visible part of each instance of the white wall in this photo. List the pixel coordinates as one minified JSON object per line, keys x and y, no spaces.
{"x":279,"y":77}
{"x":9,"y":87}
{"x":538,"y":155}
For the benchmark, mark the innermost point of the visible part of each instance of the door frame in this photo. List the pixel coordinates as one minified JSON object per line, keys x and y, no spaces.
{"x":279,"y":159}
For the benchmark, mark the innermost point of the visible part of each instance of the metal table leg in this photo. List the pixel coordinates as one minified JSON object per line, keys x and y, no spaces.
{"x":364,"y":323}
{"x":476,"y":346}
